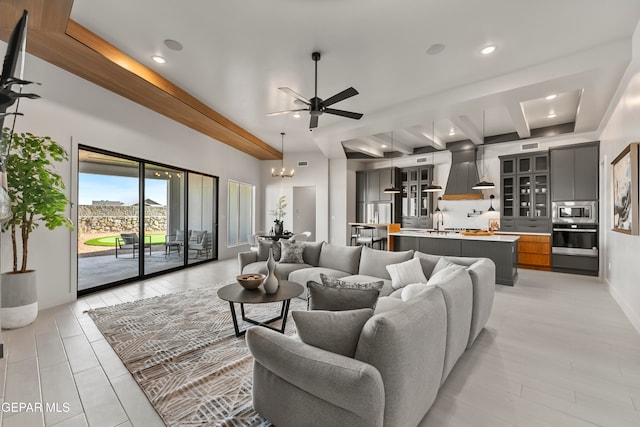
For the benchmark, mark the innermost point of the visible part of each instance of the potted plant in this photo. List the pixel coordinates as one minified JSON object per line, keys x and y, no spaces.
{"x":279,"y":213}
{"x":36,"y":197}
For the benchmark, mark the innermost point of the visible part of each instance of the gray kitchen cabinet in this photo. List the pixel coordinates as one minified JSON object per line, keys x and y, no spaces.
{"x":525,"y":195}
{"x":373,"y":186}
{"x":574,"y":172}
{"x":416,"y":203}
{"x":370,"y":186}
{"x":448,"y":247}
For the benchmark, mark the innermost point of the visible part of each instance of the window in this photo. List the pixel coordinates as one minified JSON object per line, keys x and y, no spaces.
{"x":241,"y":213}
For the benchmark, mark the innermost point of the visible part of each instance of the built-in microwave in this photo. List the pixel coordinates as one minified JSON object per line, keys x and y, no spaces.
{"x":577,"y":212}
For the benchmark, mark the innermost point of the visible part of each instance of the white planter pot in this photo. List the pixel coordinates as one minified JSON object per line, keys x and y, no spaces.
{"x":19,"y":299}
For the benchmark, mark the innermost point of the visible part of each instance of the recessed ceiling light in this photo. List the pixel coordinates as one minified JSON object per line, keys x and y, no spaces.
{"x":487,"y":50}
{"x":159,"y":59}
{"x":550,"y":97}
{"x":384,"y":145}
{"x":173,"y":45}
{"x":435,"y":49}
{"x":296,"y":115}
{"x":452,"y":132}
{"x":551,"y":115}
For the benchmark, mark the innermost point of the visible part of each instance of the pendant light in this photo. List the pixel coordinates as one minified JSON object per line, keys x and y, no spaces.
{"x":282,"y":173}
{"x":393,"y":189}
{"x":483,"y":184}
{"x":433,"y":187}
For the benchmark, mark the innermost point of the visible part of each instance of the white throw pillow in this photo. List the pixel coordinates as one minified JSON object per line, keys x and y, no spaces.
{"x":412,"y":290}
{"x":445,"y":275}
{"x":405,"y":273}
{"x":441,"y":265}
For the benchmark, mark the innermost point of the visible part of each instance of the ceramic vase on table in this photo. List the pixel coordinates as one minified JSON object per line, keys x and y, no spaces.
{"x":278,"y":229}
{"x":271,"y":282}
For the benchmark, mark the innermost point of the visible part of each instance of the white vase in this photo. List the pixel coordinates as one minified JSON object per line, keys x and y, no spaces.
{"x":19,"y":299}
{"x":271,"y":282}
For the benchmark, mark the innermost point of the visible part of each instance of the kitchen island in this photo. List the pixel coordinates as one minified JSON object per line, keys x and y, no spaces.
{"x":501,"y":249}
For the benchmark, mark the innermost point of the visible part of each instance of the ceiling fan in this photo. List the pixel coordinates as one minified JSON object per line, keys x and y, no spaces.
{"x":316,"y":106}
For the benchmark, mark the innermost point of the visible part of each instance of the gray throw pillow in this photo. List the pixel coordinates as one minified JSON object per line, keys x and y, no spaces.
{"x":276,"y":247}
{"x":336,"y":283}
{"x":291,"y":252}
{"x":263,"y":249}
{"x":326,"y":298}
{"x":334,"y":331}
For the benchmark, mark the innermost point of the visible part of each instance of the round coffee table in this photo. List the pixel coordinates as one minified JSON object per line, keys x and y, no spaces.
{"x":235,"y":293}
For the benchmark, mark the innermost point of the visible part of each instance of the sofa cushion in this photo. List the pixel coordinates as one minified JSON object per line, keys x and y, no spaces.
{"x":291,"y":252}
{"x":343,"y":258}
{"x":311,"y":252}
{"x":334,"y":331}
{"x":312,"y":274}
{"x":263,"y":249}
{"x":388,"y":304}
{"x":405,"y":273}
{"x":386,"y":288}
{"x":284,"y":269}
{"x":411,"y":368}
{"x":438,"y":278}
{"x":455,"y":283}
{"x":326,"y":298}
{"x":373,"y":261}
{"x":333,"y":282}
{"x":427,"y":261}
{"x":255,"y":268}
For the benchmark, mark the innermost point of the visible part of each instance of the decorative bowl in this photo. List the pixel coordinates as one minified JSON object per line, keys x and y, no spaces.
{"x":250,"y":281}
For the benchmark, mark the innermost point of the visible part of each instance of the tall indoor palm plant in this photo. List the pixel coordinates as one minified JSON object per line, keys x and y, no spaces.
{"x":37,"y":197}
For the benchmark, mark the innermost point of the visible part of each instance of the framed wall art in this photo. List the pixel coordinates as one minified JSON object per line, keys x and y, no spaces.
{"x":625,"y":190}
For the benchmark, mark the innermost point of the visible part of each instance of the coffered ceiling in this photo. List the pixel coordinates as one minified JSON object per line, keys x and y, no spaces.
{"x":235,"y":55}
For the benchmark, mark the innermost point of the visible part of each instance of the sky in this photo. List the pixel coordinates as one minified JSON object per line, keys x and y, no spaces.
{"x":118,"y":189}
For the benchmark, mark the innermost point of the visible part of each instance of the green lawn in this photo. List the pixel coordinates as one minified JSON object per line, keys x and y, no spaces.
{"x":156,"y":239}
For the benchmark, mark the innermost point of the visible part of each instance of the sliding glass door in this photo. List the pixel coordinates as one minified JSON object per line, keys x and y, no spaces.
{"x":129,"y":228}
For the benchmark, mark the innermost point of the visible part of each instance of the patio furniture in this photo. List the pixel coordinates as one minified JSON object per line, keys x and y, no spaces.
{"x":132,"y":241}
{"x":174,"y":241}
{"x":200,"y":241}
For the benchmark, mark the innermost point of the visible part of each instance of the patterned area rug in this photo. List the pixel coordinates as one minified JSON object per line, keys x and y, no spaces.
{"x":182,"y":351}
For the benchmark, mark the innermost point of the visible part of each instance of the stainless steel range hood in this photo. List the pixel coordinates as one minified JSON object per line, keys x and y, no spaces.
{"x":463,"y":173}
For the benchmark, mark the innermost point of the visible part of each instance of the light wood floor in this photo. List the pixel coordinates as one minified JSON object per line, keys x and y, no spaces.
{"x":557,"y":351}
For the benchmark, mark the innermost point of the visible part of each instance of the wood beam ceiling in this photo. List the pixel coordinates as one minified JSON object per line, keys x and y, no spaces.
{"x":55,"y":38}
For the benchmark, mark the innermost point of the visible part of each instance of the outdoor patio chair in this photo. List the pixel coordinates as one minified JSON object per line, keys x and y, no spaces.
{"x":132,"y":241}
{"x":174,"y":241}
{"x":200,"y":243}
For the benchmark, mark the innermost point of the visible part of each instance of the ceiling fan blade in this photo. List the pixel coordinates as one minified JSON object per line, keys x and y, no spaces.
{"x":314,"y":122}
{"x":347,"y":93}
{"x":295,"y":94}
{"x":277,"y":113}
{"x":349,"y":114}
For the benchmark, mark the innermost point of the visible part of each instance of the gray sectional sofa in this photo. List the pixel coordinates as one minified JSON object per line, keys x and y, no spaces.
{"x":405,"y":351}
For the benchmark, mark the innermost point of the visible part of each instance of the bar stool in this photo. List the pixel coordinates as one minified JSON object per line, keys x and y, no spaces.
{"x":368,"y":238}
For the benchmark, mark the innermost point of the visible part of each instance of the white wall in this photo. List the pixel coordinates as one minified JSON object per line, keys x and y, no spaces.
{"x":339,"y":203}
{"x":620,"y":251}
{"x":315,"y":174}
{"x":72,"y":109}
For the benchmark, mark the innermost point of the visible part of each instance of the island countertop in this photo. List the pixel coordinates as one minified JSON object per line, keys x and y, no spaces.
{"x":456,"y":236}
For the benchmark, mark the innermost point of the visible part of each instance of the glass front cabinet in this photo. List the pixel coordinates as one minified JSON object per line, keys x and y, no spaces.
{"x":525,"y":191}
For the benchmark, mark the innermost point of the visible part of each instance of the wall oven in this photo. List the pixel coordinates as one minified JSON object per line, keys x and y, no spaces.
{"x":575,"y":228}
{"x":575,"y":239}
